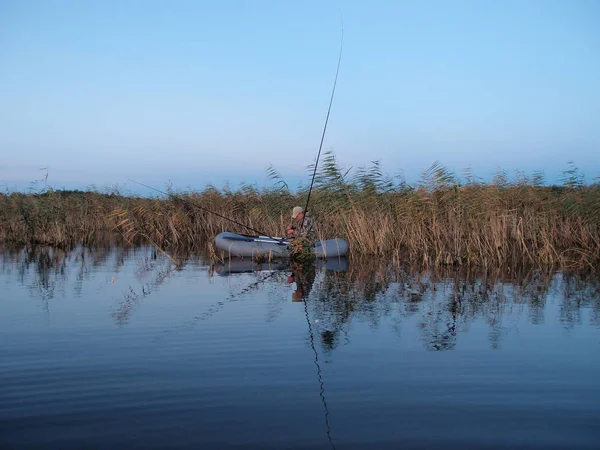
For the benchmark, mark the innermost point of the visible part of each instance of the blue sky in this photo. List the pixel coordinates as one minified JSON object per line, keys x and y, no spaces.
{"x":207,"y":92}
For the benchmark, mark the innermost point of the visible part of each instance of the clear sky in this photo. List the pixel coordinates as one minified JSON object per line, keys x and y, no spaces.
{"x":207,"y":92}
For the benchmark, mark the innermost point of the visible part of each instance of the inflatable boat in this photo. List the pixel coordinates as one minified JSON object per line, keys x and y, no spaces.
{"x":242,"y":245}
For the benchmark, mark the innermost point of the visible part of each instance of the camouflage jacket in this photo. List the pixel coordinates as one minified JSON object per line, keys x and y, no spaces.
{"x":308,"y":229}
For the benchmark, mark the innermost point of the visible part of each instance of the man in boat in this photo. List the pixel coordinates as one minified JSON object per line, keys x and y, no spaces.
{"x":306,"y":228}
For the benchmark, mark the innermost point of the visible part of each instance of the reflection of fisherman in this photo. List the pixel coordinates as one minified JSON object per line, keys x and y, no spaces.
{"x":304,"y":228}
{"x":304,"y":278}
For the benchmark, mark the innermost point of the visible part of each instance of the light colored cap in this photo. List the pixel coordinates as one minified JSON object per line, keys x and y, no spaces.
{"x":297,"y":210}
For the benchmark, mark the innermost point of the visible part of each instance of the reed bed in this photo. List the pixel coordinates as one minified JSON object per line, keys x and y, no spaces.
{"x":442,"y":220}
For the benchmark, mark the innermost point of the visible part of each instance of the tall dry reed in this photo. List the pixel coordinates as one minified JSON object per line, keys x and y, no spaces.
{"x":440,"y":221}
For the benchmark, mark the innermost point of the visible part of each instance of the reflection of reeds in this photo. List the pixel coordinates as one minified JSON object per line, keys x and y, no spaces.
{"x":440,"y":221}
{"x":445,"y":301}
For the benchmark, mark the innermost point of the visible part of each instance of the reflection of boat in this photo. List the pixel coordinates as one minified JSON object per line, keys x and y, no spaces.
{"x":234,"y":244}
{"x":247,"y":265}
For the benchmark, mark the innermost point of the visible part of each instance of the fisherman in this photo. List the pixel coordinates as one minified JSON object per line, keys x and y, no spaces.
{"x":306,"y":228}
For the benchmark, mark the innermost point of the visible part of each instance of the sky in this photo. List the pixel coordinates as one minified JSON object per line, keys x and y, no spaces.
{"x":195,"y":93}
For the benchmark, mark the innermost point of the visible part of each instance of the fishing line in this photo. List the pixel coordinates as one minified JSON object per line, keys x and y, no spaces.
{"x":326,"y":121}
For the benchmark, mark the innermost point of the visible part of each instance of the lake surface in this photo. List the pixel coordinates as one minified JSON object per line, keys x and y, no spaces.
{"x":121,"y":348}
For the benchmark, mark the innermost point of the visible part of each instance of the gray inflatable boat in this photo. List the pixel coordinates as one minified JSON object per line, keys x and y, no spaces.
{"x":242,"y":245}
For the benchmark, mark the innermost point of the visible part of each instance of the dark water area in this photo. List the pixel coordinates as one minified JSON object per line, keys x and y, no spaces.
{"x":121,"y":348}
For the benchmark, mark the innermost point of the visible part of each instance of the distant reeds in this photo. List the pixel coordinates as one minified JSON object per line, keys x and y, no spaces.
{"x":440,"y":221}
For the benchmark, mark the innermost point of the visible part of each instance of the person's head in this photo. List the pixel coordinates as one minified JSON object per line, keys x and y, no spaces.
{"x":298,"y":213}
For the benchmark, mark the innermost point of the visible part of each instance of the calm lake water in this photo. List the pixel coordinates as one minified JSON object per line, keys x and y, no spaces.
{"x":120,"y":348}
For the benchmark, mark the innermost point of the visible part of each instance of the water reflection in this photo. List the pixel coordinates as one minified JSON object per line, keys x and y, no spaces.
{"x":326,"y":346}
{"x":336,"y":292}
{"x":319,"y":373}
{"x":133,"y":297}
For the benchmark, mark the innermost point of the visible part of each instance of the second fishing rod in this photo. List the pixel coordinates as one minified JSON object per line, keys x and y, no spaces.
{"x":195,"y":205}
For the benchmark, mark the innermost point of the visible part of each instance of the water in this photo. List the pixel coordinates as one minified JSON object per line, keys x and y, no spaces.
{"x":120,"y":348}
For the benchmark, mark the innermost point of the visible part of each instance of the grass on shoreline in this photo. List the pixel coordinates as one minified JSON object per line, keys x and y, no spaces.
{"x":440,"y":221}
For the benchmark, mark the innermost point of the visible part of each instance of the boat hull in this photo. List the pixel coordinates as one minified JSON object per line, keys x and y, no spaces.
{"x":241,"y":245}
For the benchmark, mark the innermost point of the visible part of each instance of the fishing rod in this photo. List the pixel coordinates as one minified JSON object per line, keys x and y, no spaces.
{"x":281,"y":240}
{"x":325,"y":127}
{"x":208,"y":210}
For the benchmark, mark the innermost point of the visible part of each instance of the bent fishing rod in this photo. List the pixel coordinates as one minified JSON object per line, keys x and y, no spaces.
{"x":209,"y":211}
{"x":281,"y":240}
{"x":325,"y":127}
